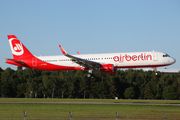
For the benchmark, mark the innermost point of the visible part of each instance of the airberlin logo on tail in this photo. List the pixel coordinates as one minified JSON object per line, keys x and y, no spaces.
{"x":16,"y":46}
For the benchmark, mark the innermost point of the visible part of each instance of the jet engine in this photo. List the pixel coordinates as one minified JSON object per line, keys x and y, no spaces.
{"x":107,"y":68}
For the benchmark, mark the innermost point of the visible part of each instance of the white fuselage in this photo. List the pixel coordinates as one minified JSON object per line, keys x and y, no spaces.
{"x":119,"y":60}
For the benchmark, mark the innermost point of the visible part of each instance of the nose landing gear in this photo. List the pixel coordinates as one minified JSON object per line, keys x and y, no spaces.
{"x":155,"y":71}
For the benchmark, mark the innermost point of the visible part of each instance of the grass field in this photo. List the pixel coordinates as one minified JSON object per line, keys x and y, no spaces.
{"x":55,"y":111}
{"x":90,"y":100}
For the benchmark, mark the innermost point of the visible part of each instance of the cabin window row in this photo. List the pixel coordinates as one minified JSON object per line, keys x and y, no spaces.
{"x":71,"y":60}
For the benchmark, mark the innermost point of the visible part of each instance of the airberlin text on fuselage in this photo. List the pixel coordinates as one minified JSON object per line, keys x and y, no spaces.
{"x":133,"y":57}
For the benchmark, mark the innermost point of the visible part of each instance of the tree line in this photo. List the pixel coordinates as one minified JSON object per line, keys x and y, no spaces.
{"x":129,"y":84}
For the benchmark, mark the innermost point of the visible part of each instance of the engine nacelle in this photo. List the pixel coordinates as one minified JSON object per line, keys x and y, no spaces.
{"x":108,"y":68}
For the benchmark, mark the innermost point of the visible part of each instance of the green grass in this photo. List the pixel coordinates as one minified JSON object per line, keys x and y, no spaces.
{"x":90,"y":100}
{"x":14,"y":111}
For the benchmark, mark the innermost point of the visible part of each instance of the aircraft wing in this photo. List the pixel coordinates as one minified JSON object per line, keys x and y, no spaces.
{"x":80,"y":61}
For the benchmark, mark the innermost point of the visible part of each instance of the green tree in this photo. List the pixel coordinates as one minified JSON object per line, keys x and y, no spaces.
{"x":33,"y":78}
{"x":8,"y":85}
{"x":111,"y":87}
{"x":148,"y":92}
{"x":1,"y":70}
{"x":129,"y":92}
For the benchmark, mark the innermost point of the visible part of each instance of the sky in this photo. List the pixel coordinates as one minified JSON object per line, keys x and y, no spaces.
{"x":91,"y":26}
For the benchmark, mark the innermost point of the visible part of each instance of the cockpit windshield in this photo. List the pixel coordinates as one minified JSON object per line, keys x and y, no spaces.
{"x":166,"y":55}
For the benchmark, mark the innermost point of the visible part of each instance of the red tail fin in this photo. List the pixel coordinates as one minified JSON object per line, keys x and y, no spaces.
{"x":19,"y":51}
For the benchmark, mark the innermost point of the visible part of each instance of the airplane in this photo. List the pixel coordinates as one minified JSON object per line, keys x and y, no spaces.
{"x":106,"y":62}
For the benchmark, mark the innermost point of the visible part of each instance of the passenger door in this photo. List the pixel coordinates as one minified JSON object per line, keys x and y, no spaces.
{"x":155,"y":56}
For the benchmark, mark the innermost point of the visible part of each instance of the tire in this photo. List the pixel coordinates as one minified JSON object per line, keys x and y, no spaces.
{"x":92,"y":76}
{"x":88,"y":75}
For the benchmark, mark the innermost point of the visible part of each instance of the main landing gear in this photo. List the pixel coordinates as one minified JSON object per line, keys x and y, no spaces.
{"x":89,"y":75}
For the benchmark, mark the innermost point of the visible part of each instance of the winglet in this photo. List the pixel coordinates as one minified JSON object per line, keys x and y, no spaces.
{"x":63,"y":51}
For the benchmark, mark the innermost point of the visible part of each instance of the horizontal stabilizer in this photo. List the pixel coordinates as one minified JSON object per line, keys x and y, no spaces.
{"x":16,"y":62}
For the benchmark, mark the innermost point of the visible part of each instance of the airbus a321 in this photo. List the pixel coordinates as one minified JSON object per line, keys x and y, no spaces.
{"x":106,"y":63}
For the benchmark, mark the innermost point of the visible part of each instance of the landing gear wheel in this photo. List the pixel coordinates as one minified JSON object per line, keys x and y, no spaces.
{"x":89,"y":75}
{"x":92,"y":76}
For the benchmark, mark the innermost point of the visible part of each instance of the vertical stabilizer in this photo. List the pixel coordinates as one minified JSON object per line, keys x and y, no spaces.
{"x":19,"y":51}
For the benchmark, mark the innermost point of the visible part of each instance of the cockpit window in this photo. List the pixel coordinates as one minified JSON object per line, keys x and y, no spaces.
{"x":166,"y":55}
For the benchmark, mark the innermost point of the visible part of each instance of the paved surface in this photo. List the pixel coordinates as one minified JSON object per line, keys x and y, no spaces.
{"x":92,"y":103}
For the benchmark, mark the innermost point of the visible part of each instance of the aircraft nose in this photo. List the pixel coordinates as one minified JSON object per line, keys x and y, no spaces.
{"x":172,"y":60}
